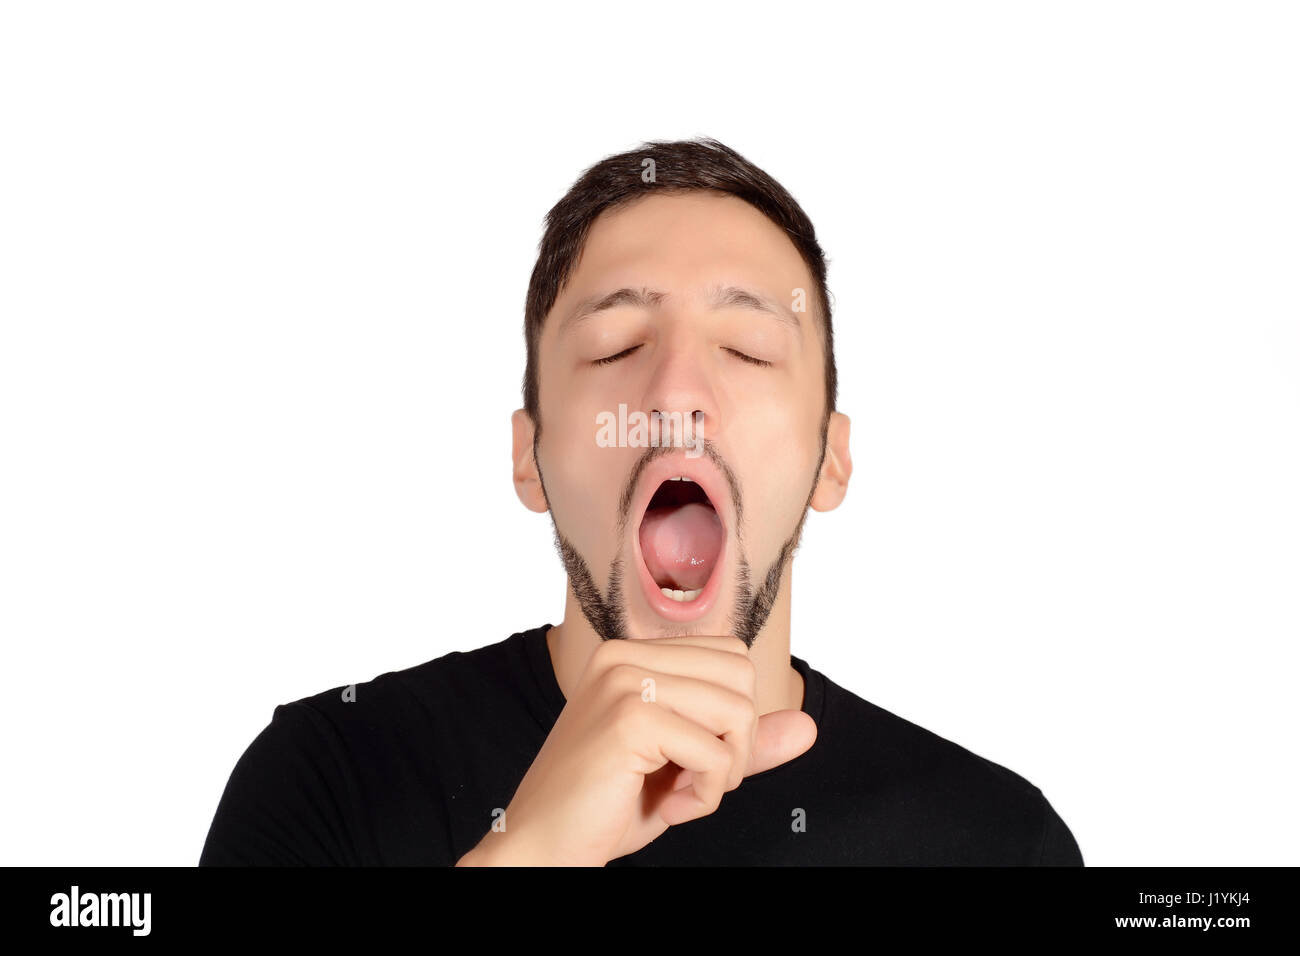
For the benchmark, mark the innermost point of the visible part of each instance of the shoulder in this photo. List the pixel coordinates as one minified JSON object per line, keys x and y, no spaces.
{"x":942,"y":791}
{"x":452,"y":686}
{"x":306,"y":788}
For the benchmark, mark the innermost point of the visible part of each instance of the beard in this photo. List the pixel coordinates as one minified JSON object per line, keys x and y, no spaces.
{"x":606,"y":611}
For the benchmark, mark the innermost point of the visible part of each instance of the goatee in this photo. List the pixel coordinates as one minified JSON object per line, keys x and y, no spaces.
{"x":606,"y":612}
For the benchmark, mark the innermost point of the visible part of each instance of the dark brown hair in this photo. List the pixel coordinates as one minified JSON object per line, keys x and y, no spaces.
{"x":682,"y":165}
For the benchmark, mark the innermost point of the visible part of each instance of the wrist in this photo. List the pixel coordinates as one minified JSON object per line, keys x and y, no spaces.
{"x":499,"y":849}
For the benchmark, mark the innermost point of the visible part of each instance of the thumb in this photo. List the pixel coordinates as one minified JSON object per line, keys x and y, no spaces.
{"x":782,"y":735}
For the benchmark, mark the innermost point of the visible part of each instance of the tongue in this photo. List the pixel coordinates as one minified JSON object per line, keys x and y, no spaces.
{"x":681,"y":544}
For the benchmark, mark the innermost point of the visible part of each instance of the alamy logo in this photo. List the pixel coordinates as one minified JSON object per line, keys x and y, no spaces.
{"x":101,"y":909}
{"x":639,"y":430}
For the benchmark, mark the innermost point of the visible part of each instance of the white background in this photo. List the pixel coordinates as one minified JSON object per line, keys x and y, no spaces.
{"x":262,"y":274}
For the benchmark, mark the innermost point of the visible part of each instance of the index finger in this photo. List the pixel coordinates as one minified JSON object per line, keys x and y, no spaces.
{"x":720,"y":642}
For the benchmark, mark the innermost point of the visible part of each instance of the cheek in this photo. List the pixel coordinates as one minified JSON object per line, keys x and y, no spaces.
{"x":779,"y":505}
{"x":779,"y":470}
{"x":778,"y":434}
{"x":583,"y":479}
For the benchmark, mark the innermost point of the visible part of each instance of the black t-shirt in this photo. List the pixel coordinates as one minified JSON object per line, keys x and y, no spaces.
{"x":411,"y":770}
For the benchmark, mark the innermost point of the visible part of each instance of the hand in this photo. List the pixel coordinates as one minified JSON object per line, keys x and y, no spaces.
{"x":618,"y":769}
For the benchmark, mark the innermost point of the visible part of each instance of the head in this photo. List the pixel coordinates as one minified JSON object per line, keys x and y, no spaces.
{"x":679,"y":411}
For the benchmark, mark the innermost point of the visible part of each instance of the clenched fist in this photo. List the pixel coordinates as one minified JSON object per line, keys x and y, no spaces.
{"x":628,"y":758}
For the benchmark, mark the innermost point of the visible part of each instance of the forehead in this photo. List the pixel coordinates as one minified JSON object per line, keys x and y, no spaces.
{"x":686,"y":243}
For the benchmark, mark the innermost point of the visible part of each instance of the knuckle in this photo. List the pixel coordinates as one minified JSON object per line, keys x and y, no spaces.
{"x":743,"y":714}
{"x":628,"y":717}
{"x":625,"y":719}
{"x":747,"y":672}
{"x":714,"y":799}
{"x":628,"y":711}
{"x":727,"y":766}
{"x":604,"y":656}
{"x":734,"y":780}
{"x":620,"y":677}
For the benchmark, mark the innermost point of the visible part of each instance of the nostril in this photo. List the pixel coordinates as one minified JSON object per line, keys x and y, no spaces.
{"x":676,"y":429}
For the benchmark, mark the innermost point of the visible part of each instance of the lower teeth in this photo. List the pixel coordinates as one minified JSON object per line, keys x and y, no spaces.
{"x":681,"y":595}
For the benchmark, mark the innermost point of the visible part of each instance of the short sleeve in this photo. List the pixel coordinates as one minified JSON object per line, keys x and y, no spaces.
{"x":287,"y":800}
{"x":1059,"y":847}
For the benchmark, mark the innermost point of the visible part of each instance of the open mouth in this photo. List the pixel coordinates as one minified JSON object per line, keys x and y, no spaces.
{"x":681,"y":539}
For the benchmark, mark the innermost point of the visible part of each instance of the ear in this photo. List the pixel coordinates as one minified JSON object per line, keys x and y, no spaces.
{"x":528,"y":484}
{"x":837,"y":466}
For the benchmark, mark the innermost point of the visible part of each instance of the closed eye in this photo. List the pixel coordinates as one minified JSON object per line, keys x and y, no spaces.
{"x":611,"y":359}
{"x":748,"y":358}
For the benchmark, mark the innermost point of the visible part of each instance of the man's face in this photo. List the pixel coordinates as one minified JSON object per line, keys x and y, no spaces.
{"x":715,"y":290}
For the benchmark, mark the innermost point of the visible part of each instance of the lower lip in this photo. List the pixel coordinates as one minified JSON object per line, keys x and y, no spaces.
{"x":680,"y":611}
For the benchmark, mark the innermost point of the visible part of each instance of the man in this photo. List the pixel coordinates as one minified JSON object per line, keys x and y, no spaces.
{"x":679,"y":420}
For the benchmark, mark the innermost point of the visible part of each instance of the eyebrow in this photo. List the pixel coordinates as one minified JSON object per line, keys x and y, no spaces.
{"x":643,"y":298}
{"x":720,"y":297}
{"x":724,"y":296}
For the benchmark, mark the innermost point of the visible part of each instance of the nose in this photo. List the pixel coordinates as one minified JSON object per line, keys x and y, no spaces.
{"x":680,"y":392}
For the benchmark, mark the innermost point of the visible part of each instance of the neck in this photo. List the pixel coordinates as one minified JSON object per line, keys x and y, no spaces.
{"x":780,"y":686}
